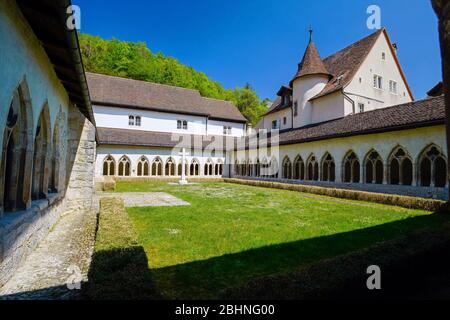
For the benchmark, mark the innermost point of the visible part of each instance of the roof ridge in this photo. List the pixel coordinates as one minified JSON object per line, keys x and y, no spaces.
{"x":144,"y":81}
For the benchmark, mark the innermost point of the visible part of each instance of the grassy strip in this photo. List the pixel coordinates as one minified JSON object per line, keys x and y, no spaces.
{"x":119,"y":268}
{"x":405,"y":264}
{"x":390,"y":199}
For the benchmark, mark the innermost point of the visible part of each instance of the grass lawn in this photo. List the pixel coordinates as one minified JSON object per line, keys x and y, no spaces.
{"x":233,"y":233}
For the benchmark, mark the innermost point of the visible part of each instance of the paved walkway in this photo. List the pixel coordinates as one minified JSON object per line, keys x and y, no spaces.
{"x":145,"y":199}
{"x":62,"y":257}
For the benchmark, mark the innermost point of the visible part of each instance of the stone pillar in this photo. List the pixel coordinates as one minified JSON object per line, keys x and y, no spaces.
{"x":414,"y":175}
{"x":442,"y":9}
{"x":361,"y":172}
{"x":339,"y":172}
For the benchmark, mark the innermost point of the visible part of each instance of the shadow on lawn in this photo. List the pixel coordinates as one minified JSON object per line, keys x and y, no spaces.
{"x":274,"y":271}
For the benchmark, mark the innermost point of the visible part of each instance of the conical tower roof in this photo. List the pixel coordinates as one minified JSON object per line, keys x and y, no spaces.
{"x":311,"y":63}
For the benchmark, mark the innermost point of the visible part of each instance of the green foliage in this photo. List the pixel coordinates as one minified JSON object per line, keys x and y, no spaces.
{"x":134,"y":60}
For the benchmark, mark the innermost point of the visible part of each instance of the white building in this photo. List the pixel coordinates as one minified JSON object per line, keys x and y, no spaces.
{"x":350,"y":121}
{"x":143,"y":126}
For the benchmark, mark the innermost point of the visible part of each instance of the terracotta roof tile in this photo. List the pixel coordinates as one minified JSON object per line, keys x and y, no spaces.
{"x":311,"y":63}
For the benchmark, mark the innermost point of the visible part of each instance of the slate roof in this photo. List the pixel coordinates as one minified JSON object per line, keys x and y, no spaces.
{"x":128,"y":93}
{"x":311,"y":63}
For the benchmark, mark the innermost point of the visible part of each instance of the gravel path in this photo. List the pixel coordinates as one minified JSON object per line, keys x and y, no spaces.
{"x":62,"y":258}
{"x":145,"y":199}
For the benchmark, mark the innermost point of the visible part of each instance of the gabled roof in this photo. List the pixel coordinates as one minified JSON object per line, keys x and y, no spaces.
{"x":345,"y":63}
{"x":127,"y":93}
{"x":311,"y":63}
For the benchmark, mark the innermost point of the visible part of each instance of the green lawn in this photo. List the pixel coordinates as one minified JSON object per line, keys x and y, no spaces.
{"x":233,"y":233}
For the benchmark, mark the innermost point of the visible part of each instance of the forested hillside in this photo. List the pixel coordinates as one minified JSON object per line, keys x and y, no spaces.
{"x":134,"y":60}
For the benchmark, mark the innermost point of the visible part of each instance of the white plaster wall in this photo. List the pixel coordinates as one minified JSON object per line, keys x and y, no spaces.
{"x":328,"y":107}
{"x":113,"y":117}
{"x":305,"y":88}
{"x":215,"y":127}
{"x":135,"y":153}
{"x":364,"y":92}
{"x":414,"y":141}
{"x":279,"y":117}
{"x":22,"y":57}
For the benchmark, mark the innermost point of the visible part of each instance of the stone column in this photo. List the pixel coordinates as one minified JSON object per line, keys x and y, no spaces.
{"x":442,"y":9}
{"x":361,"y":172}
{"x":338,"y":172}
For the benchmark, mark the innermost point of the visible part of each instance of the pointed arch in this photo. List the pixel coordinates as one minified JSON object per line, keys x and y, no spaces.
{"x":157,"y":167}
{"x":287,"y":168}
{"x":432,"y":166}
{"x":124,"y":167}
{"x":264,"y":166}
{"x":16,"y":160}
{"x":299,"y":168}
{"x":351,"y":166}
{"x":56,"y":154}
{"x":312,"y":166}
{"x":400,"y":167}
{"x":208,"y":169}
{"x":42,"y":155}
{"x":236,"y":167}
{"x":250,"y":171}
{"x":109,"y":166}
{"x":180,"y":169}
{"x":218,"y":168}
{"x":373,"y":168}
{"x":257,"y":168}
{"x":328,"y":168}
{"x":170,"y":167}
{"x":273,"y":166}
{"x":143,"y":167}
{"x":195,"y":167}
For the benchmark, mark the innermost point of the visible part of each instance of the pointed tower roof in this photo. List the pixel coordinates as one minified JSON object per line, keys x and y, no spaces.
{"x":311,"y":63}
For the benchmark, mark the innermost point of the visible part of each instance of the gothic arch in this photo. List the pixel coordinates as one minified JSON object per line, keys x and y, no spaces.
{"x":328,"y":168}
{"x":264,"y":166}
{"x":208,"y":170}
{"x":195,"y":168}
{"x":432,"y":166}
{"x":42,"y":155}
{"x":287,"y":168}
{"x":109,"y":166}
{"x":157,"y":167}
{"x":257,"y":168}
{"x":124,"y":167}
{"x":273,"y":167}
{"x":56,"y":155}
{"x":236,"y":167}
{"x":218,"y":168}
{"x":180,"y":169}
{"x":299,"y":168}
{"x":17,"y":152}
{"x":312,"y":168}
{"x":351,"y":166}
{"x":170,"y":167}
{"x":373,"y":168}
{"x":400,"y":167}
{"x":250,"y":170}
{"x":143,"y":167}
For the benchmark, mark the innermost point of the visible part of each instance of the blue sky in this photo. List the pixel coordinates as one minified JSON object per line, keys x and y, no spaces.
{"x":261,"y":41}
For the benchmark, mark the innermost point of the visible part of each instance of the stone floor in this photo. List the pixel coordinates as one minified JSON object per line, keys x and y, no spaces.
{"x":145,"y":199}
{"x":60,"y":262}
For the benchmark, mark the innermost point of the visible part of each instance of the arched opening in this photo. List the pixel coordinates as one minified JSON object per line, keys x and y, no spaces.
{"x":143,"y":167}
{"x":186,"y":169}
{"x":374,"y":169}
{"x":219,"y":168}
{"x":299,"y":168}
{"x":236,"y":168}
{"x":55,"y":162}
{"x":156,"y":168}
{"x":208,"y":170}
{"x":400,"y":167}
{"x":250,"y":168}
{"x":287,"y":168}
{"x":351,"y":168}
{"x":273,"y":168}
{"x":264,"y":168}
{"x":195,"y":168}
{"x":109,"y":166}
{"x":16,"y":162}
{"x":328,"y":168}
{"x":42,"y":156}
{"x":258,"y":168}
{"x":170,"y":168}
{"x":124,"y":167}
{"x":313,"y":168}
{"x":432,"y":166}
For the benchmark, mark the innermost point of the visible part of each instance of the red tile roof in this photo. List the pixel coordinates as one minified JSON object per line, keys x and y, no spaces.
{"x":311,"y":63}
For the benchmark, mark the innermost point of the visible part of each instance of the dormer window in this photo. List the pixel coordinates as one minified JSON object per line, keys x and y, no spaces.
{"x":287,"y":99}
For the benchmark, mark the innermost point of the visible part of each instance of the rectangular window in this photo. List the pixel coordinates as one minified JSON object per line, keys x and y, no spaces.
{"x":274,"y":124}
{"x":131,"y":120}
{"x":182,"y":124}
{"x":383,"y":56}
{"x":295,"y":108}
{"x":226,"y":130}
{"x":361,"y":107}
{"x":138,"y":121}
{"x":393,"y":87}
{"x":284,"y":121}
{"x":377,"y":82}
